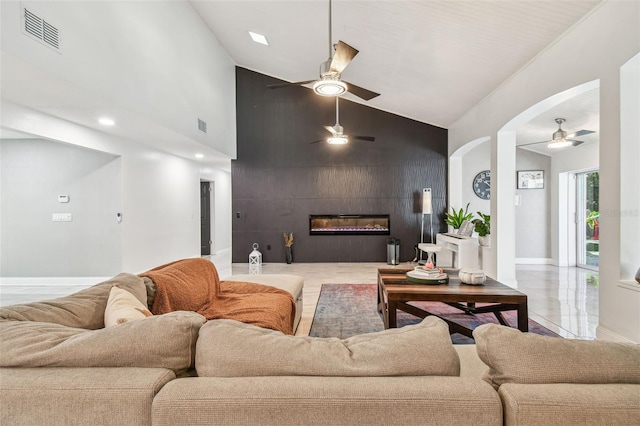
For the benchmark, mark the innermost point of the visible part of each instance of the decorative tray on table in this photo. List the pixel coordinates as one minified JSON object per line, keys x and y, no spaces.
{"x":423,"y":275}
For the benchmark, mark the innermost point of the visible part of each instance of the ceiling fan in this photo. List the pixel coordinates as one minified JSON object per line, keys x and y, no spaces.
{"x":337,"y":132}
{"x":330,"y":83}
{"x":560,"y":138}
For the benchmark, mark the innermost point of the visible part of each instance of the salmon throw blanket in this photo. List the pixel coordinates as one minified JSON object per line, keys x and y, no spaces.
{"x":194,"y":285}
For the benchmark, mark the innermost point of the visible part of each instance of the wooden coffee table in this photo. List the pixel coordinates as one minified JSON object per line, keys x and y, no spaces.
{"x":394,"y":292}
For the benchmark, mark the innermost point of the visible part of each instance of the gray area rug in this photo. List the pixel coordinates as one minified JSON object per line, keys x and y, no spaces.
{"x":345,"y":310}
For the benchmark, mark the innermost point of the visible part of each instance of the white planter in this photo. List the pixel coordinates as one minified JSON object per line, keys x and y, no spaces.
{"x":472,"y":276}
{"x":485,"y":241}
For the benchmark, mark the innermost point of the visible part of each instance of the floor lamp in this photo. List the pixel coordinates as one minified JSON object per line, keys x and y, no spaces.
{"x":427,"y":208}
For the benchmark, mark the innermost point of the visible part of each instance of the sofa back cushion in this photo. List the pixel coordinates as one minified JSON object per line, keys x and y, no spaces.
{"x":84,"y":309}
{"x":166,"y":341}
{"x":516,"y":357}
{"x":229,"y":348}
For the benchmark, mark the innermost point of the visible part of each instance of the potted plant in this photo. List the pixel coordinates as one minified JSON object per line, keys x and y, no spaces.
{"x":455,"y":218}
{"x":483,"y":228}
{"x":288,"y":245}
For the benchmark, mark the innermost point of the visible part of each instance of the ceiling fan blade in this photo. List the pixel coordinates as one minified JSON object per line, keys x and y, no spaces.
{"x":296,"y":83}
{"x":330,"y":129}
{"x":575,"y":143}
{"x":342,"y":56}
{"x":319,"y":140}
{"x":532,"y":143}
{"x":360,"y":92}
{"x":580,"y":133}
{"x":364,"y":138}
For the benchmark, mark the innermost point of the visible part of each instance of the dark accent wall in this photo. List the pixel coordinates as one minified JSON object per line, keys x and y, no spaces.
{"x":279,"y":178}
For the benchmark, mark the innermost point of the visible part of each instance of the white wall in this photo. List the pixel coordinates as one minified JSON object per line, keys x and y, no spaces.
{"x":156,"y":60}
{"x":473,"y":162}
{"x":158,"y":67}
{"x":594,"y":49}
{"x":533,"y":215}
{"x":629,"y":171}
{"x":160,"y":192}
{"x":34,"y":173}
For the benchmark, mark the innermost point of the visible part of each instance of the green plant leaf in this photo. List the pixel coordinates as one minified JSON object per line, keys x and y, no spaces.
{"x":456,"y":217}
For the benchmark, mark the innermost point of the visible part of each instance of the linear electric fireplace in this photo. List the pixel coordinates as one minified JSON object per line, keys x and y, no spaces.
{"x":349,"y":224}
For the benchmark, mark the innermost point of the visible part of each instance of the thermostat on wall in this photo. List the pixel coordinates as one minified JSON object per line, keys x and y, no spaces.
{"x":63,"y":198}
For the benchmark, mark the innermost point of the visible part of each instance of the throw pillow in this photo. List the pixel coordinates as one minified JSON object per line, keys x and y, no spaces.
{"x":122,"y":307}
{"x":516,"y":357}
{"x":228,"y":348}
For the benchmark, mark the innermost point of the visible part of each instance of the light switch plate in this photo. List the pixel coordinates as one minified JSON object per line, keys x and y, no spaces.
{"x":61,"y":217}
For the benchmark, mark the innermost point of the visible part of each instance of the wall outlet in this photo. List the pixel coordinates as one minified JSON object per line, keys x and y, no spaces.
{"x":268,"y":246}
{"x":61,"y":217}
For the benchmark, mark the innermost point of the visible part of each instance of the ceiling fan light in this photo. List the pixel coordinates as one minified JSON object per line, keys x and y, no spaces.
{"x":329,"y":87}
{"x":338,"y":140}
{"x":559,"y":144}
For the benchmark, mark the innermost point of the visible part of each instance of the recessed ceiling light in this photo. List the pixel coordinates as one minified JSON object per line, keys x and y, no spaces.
{"x":106,"y":121}
{"x":198,"y":155}
{"x":258,"y":38}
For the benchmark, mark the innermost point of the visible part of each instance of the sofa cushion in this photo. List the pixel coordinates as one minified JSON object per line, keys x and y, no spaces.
{"x":122,"y":307}
{"x":228,"y":348}
{"x":516,"y":357}
{"x":288,"y":400}
{"x":166,"y":341}
{"x":84,"y":309}
{"x":570,"y":404}
{"x":80,"y":396}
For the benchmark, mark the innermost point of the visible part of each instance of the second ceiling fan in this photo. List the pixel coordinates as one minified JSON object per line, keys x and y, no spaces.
{"x":337,"y":132}
{"x":330,"y":83}
{"x":561,"y":138}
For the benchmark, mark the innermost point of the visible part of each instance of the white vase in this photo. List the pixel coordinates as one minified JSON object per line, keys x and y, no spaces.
{"x":485,"y":241}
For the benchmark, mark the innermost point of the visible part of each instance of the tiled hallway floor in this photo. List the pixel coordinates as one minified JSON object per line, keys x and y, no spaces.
{"x":565,"y":300}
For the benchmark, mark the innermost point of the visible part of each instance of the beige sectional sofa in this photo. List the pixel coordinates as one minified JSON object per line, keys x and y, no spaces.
{"x":60,"y":366}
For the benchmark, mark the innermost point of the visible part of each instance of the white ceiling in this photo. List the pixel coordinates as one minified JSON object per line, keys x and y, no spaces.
{"x":430,"y":60}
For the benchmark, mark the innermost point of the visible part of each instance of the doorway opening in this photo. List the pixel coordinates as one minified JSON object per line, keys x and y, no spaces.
{"x":206,"y":210}
{"x":588,"y":219}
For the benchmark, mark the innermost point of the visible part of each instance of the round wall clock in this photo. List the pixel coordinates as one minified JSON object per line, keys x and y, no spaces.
{"x":482,"y":184}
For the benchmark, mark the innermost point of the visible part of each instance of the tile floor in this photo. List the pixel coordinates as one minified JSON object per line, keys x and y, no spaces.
{"x":564,"y":300}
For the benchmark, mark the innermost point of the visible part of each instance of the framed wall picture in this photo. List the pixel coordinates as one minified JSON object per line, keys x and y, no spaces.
{"x":530,"y":179}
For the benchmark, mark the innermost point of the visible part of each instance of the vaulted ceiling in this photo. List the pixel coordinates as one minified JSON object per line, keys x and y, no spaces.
{"x":430,"y":60}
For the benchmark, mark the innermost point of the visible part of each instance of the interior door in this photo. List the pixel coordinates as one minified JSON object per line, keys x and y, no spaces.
{"x":205,"y":218}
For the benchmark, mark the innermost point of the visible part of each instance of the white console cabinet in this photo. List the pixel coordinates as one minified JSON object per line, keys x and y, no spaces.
{"x":457,"y":252}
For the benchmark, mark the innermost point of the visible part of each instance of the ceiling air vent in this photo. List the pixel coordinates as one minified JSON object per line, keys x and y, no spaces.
{"x":41,"y":30}
{"x":202,"y":126}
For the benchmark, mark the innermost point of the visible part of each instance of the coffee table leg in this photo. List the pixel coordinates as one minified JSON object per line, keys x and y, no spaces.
{"x":392,"y":310}
{"x":523,"y":317}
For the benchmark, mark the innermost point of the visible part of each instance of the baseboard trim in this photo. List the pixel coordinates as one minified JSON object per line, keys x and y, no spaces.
{"x":51,"y":281}
{"x":605,"y":334}
{"x":534,"y":261}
